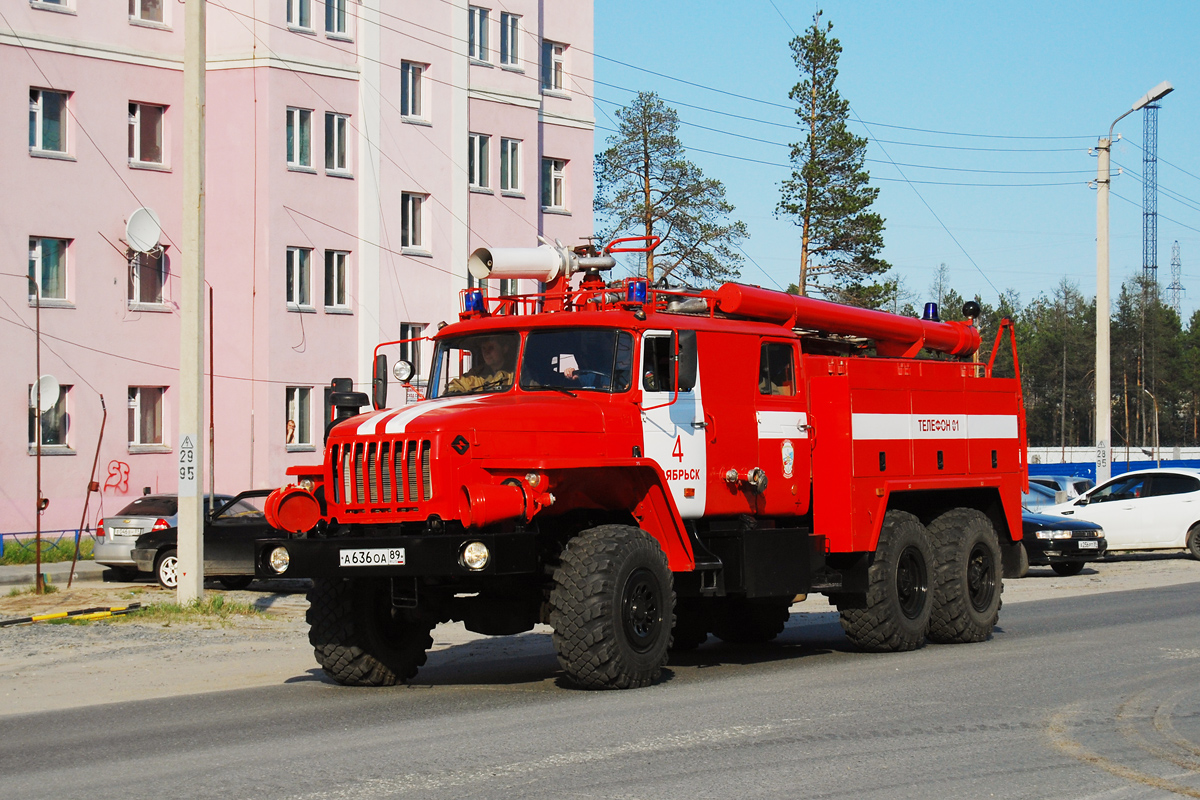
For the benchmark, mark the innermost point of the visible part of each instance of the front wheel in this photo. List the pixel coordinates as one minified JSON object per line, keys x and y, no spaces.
{"x":166,"y":569}
{"x":1067,"y":568}
{"x":898,"y":600}
{"x":969,"y":580}
{"x":1193,"y":542}
{"x":612,"y":608}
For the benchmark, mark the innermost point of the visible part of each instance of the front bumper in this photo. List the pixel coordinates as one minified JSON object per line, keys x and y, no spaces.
{"x":1058,"y":550}
{"x":434,"y":555}
{"x":144,"y":559}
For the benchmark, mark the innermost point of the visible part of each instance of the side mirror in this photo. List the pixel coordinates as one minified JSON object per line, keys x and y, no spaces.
{"x":379,"y":379}
{"x":403,"y":371}
{"x":687,"y":361}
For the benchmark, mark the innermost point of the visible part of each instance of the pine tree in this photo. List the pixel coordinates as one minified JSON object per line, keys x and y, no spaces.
{"x":827,"y":195}
{"x":645,"y":185}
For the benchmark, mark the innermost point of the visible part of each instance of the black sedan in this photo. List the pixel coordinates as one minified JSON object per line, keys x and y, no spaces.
{"x":229,"y":534}
{"x":1064,"y":543}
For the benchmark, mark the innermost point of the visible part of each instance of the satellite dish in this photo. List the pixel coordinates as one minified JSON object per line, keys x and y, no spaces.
{"x":143,"y":230}
{"x":50,"y":390}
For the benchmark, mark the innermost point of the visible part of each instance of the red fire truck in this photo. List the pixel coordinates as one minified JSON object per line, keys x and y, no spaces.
{"x":641,"y":467}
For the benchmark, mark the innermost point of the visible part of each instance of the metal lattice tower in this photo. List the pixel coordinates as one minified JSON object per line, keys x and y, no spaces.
{"x":1150,"y":197}
{"x":1175,"y":290}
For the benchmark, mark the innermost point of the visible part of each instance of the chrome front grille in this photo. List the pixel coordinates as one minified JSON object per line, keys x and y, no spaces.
{"x":379,"y":475}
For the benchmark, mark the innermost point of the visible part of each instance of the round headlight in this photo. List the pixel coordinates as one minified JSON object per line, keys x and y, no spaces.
{"x":279,"y":560}
{"x":306,"y":484}
{"x":475,"y":556}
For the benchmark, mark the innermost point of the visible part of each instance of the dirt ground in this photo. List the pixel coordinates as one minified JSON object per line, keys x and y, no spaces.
{"x":47,"y":666}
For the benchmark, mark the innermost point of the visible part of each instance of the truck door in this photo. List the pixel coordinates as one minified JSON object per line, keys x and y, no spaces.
{"x":781,"y":411}
{"x":673,"y":432}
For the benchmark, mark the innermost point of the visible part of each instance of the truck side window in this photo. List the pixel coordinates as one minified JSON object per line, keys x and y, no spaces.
{"x":775,"y":370}
{"x":658,"y":373}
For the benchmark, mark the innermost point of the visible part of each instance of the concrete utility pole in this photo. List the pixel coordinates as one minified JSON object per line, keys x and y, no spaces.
{"x":191,"y":313}
{"x":1103,"y":320}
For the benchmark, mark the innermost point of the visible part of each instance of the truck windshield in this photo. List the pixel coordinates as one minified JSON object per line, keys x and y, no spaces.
{"x":597,"y":360}
{"x":477,"y":364}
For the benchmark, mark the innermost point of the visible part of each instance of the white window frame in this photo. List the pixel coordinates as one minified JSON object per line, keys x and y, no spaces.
{"x":510,"y":39}
{"x":510,"y":166}
{"x":411,"y":351}
{"x":336,"y":280}
{"x":298,"y":279}
{"x":412,"y":90}
{"x":60,"y":413}
{"x":477,"y":34}
{"x":413,"y":221}
{"x":37,"y":271}
{"x":139,"y":262}
{"x":138,"y":9}
{"x":139,"y":398}
{"x":554,"y":176}
{"x":298,"y":409}
{"x":335,"y":16}
{"x":299,"y":15}
{"x":61,"y":6}
{"x":478,"y":166}
{"x":337,"y":143}
{"x":299,"y":120}
{"x":37,"y":121}
{"x":136,"y":119}
{"x":554,"y":67}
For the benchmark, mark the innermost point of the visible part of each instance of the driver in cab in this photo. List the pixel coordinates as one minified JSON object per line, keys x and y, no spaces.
{"x":494,"y":364}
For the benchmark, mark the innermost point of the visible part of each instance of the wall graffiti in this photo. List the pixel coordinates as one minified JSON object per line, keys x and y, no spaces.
{"x":118,"y":477}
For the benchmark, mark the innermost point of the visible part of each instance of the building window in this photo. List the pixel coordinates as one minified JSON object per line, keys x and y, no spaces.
{"x":55,"y":423}
{"x":146,"y":278}
{"x":508,"y":287}
{"x":299,"y":138}
{"x":335,"y":16}
{"x":510,"y":165}
{"x":411,"y":351}
{"x":299,"y":14}
{"x":146,"y":10}
{"x":411,"y":89}
{"x":335,"y":142}
{"x":145,"y":134}
{"x":146,"y":415}
{"x":477,"y":160}
{"x":299,"y":429}
{"x":510,"y":48}
{"x":47,"y":121}
{"x":552,"y":66}
{"x":48,"y":267}
{"x":554,"y":183}
{"x":298,"y":295}
{"x":335,"y":278}
{"x":477,"y":33}
{"x":412,"y":221}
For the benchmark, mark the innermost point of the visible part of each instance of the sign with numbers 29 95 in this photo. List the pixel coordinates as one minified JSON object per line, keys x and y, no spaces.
{"x":187,"y":468}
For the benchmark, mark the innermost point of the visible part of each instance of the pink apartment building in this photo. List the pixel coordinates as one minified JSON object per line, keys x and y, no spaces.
{"x":357,"y":152}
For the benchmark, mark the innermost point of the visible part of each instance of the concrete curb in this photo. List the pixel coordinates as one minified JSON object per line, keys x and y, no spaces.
{"x":57,"y":573}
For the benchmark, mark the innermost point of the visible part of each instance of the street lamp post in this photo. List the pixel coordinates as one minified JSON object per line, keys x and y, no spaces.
{"x":1103,"y":378}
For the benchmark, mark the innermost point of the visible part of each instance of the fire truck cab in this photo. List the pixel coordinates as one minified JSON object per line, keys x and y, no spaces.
{"x":641,"y":468}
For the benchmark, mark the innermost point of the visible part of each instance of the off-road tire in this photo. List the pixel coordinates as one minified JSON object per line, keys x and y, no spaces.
{"x":969,"y":578}
{"x":899,"y":598}
{"x":612,"y":608}
{"x":1067,"y":568}
{"x":741,"y":621}
{"x":166,"y":569}
{"x":358,"y":638}
{"x":691,"y":624}
{"x":1193,"y":542}
{"x":235,"y":582}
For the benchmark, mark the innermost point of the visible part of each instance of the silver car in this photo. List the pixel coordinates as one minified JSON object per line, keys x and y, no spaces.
{"x":116,"y":534}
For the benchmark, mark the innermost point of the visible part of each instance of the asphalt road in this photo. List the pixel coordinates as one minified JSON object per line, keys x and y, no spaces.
{"x":1081,"y":697}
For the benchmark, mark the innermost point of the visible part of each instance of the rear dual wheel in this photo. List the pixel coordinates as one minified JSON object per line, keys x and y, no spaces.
{"x":969,"y":577}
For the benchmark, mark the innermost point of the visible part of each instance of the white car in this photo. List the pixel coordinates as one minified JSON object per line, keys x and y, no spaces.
{"x":1150,"y":509}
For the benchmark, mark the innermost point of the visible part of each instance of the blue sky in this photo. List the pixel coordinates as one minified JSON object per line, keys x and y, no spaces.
{"x":1034,"y":84}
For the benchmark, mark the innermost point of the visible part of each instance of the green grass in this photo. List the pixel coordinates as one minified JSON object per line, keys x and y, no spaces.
{"x":24,"y":551}
{"x":47,"y":588}
{"x":214,"y":608}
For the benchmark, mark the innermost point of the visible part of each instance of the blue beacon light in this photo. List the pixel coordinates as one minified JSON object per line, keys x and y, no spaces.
{"x":931,"y":313}
{"x":636,"y":292}
{"x":473,"y":301}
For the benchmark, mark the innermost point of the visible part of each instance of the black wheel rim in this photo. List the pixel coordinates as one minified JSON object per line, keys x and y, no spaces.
{"x":641,"y":610}
{"x":981,"y":577}
{"x":912,"y":582}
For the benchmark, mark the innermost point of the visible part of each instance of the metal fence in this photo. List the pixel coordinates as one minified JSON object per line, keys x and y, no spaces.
{"x":27,"y":540}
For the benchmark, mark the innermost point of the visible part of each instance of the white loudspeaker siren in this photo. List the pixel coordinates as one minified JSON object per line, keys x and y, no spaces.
{"x":143,"y":230}
{"x":543,"y":263}
{"x":49,"y":390}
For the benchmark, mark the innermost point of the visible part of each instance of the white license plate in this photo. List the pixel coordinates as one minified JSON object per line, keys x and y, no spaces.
{"x":1089,"y":545}
{"x":125,"y":531}
{"x":372,"y":557}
